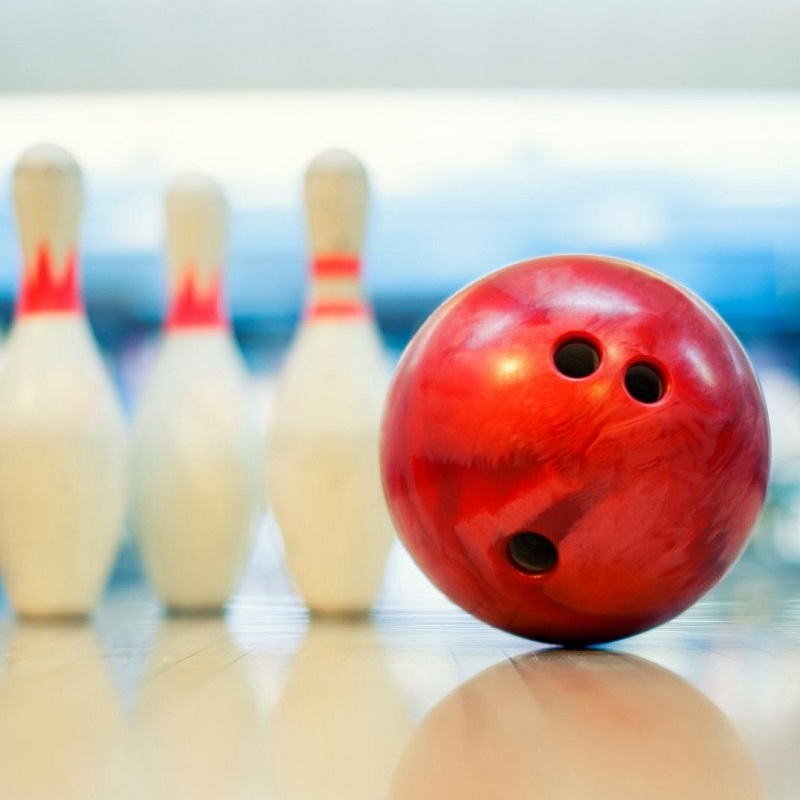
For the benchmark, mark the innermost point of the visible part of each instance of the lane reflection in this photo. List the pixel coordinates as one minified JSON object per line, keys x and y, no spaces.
{"x":196,"y":718}
{"x":563,"y":725}
{"x":341,"y":721}
{"x":62,"y":731}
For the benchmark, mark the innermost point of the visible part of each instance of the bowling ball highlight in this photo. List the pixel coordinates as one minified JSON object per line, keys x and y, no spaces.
{"x":575,"y":449}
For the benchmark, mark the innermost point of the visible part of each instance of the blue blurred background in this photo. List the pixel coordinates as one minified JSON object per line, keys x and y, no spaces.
{"x":704,"y":187}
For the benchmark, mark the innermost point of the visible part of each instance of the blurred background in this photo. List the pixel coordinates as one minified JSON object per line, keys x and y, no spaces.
{"x":665,"y":133}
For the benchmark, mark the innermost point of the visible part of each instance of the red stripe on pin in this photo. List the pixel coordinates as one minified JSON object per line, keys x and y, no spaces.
{"x":43,"y":291}
{"x":337,"y":309}
{"x":336,"y":266}
{"x":193,"y":306}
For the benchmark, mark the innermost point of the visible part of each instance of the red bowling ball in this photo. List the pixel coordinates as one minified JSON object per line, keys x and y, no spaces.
{"x":575,"y":449}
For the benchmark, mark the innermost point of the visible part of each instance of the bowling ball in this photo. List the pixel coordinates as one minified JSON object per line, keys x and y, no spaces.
{"x":574,"y":449}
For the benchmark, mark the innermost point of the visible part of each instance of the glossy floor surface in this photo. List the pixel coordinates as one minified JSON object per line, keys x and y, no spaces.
{"x":418,"y":702}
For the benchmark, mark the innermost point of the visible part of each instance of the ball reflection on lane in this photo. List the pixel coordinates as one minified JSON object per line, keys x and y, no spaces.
{"x":566,"y":725}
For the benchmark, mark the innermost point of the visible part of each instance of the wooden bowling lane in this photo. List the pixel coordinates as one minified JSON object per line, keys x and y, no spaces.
{"x":420,"y":701}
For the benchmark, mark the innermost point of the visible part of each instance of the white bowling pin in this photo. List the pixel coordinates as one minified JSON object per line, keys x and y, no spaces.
{"x":62,"y":435}
{"x":323,"y":478}
{"x":197,"y":451}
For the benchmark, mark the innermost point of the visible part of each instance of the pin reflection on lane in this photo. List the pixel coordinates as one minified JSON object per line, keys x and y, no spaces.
{"x":573,"y":725}
{"x":196,"y":719}
{"x":62,"y":731}
{"x":341,"y":720}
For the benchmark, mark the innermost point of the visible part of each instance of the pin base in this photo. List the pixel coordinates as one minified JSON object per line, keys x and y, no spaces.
{"x":54,"y":617}
{"x":182,"y":612}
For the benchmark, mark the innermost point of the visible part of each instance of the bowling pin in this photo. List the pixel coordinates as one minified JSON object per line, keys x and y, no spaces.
{"x":62,"y":434}
{"x":323,"y":479}
{"x":197,"y":455}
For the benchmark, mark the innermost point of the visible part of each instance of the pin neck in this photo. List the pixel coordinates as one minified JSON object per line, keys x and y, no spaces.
{"x":47,"y":288}
{"x":196,"y":303}
{"x":336,"y":291}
